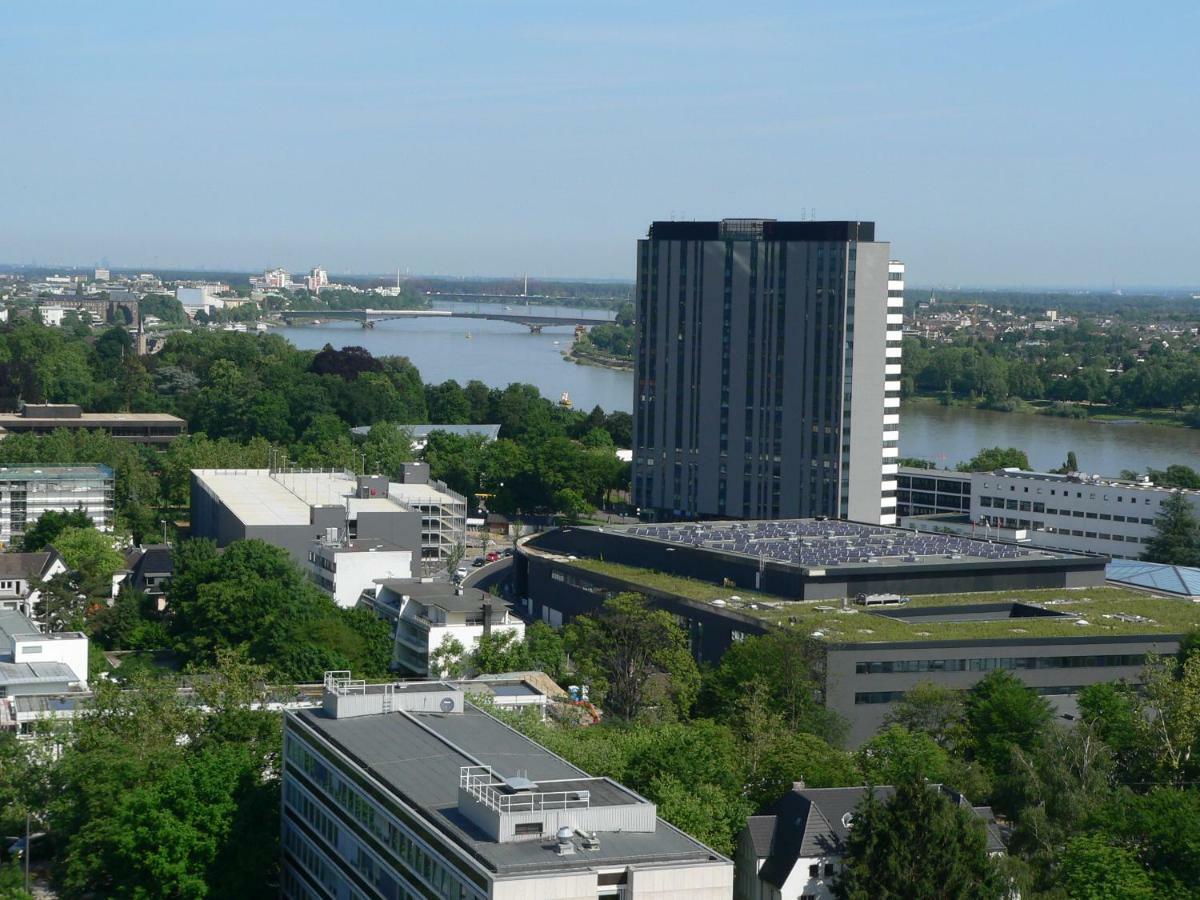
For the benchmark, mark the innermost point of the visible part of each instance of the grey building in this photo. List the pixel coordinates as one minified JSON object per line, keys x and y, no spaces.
{"x":1046,"y":616}
{"x":297,"y":508}
{"x":767,"y":371}
{"x":151,"y":429}
{"x":406,"y":790}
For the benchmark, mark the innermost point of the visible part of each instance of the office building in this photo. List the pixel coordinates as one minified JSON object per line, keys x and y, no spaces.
{"x":1078,"y":512}
{"x":299,"y":508}
{"x":797,"y":850}
{"x":885,"y":609}
{"x":932,"y":492}
{"x":407,"y":790}
{"x":767,"y":371}
{"x":276,"y":278}
{"x":28,"y":491}
{"x":424,"y":615}
{"x":149,"y":429}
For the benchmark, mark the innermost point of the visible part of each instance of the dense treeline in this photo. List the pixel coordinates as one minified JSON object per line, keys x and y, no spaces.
{"x":1079,"y":365}
{"x":244,"y":394}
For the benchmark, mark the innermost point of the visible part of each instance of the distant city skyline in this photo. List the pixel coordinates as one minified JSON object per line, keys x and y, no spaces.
{"x":1041,"y":143}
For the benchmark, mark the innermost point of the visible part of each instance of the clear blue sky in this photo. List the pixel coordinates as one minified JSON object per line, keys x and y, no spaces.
{"x":998,"y":143}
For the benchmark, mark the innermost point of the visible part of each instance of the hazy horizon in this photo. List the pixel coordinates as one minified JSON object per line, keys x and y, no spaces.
{"x":1044,"y":143}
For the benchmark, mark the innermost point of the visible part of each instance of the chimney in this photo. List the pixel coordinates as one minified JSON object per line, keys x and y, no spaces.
{"x":798,"y":785}
{"x":487,"y":616}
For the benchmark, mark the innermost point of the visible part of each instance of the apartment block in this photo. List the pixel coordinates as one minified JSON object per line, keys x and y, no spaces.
{"x":407,"y":790}
{"x":767,"y":371}
{"x":28,"y":491}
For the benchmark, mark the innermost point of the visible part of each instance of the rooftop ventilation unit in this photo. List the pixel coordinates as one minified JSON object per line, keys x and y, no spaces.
{"x":563,"y":845}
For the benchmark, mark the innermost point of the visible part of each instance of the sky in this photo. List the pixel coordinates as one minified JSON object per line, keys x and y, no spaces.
{"x":994,"y":144}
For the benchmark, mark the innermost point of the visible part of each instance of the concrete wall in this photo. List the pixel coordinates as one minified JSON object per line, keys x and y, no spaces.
{"x":842,"y":682}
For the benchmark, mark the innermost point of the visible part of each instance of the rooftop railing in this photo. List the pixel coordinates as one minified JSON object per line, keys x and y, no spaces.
{"x":482,"y":783}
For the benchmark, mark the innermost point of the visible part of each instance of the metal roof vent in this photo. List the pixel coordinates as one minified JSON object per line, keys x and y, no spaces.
{"x":519,"y":784}
{"x":563,"y":845}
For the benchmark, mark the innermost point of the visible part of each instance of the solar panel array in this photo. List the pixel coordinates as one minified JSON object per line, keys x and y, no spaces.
{"x":817,"y":544}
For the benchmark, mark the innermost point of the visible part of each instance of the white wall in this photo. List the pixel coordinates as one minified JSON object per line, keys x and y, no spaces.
{"x":70,"y":648}
{"x":357,"y":571}
{"x":1099,"y":504}
{"x":469,"y":635}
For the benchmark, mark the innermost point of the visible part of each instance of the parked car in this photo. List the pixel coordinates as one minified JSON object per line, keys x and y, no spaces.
{"x":507,"y":552}
{"x":492,"y":556}
{"x":461,"y":572}
{"x":479,"y":562}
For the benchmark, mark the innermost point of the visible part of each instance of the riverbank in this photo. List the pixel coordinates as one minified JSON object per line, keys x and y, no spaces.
{"x":1079,"y":412}
{"x":590,"y":357}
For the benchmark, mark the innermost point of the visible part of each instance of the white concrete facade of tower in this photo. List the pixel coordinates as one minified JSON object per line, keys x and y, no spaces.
{"x":891,"y":402}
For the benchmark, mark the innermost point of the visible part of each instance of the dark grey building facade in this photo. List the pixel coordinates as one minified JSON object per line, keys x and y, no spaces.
{"x":767,"y":369}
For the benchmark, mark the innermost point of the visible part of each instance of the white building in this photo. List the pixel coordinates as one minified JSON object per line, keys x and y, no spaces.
{"x":276,"y":278}
{"x":408,"y":790}
{"x":33,"y":663}
{"x":101,"y":274}
{"x":316,"y":279}
{"x":28,"y":491}
{"x":345,"y":568}
{"x":22,"y":576}
{"x":1078,"y":512}
{"x":52,"y":315}
{"x":427,"y":613}
{"x":200,"y":297}
{"x":796,"y":852}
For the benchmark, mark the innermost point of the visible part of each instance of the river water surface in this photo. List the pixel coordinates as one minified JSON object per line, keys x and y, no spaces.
{"x":499,"y":353}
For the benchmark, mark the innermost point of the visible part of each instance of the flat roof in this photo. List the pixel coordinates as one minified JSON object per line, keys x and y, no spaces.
{"x":100,"y":418}
{"x":421,"y":493}
{"x":833,"y":544}
{"x":418,"y":757}
{"x":35,"y":673}
{"x":1109,"y":611}
{"x":40,"y":473}
{"x":256,"y":498}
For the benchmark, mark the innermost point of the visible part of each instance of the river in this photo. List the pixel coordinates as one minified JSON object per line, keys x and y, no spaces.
{"x":499,"y":353}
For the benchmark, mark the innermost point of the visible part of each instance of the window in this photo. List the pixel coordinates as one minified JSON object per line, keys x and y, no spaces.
{"x":828,"y":869}
{"x":814,"y":870}
{"x":527,"y":828}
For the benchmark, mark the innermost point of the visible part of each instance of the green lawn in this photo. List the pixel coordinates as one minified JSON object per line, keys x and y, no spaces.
{"x":1167,"y":615}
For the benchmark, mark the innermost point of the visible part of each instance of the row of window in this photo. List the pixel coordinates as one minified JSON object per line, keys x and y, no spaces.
{"x":1034,"y":506}
{"x":987,"y":664}
{"x":870,"y":697}
{"x":1054,"y":492}
{"x":419,"y":861}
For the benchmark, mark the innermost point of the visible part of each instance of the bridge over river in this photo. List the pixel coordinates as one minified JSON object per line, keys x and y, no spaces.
{"x":535,"y":322}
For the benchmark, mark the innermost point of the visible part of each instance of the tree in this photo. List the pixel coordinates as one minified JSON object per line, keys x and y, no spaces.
{"x":387,"y":448}
{"x":1093,"y":869}
{"x":446,"y":660}
{"x":1001,"y":713}
{"x":499,"y":651}
{"x":1168,"y":718}
{"x":1163,"y":828}
{"x":91,"y":554}
{"x":897,"y":754}
{"x":635,"y":657}
{"x":931,"y":709}
{"x":990,"y":459}
{"x":793,"y":665}
{"x":546,"y":650}
{"x":916,"y":844}
{"x":49,"y":525}
{"x":1176,"y":538}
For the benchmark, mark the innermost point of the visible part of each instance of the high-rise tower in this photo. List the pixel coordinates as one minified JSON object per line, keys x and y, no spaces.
{"x":767,"y":371}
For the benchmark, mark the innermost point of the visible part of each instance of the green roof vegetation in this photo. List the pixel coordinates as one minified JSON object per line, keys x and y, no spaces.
{"x":1094,"y":605}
